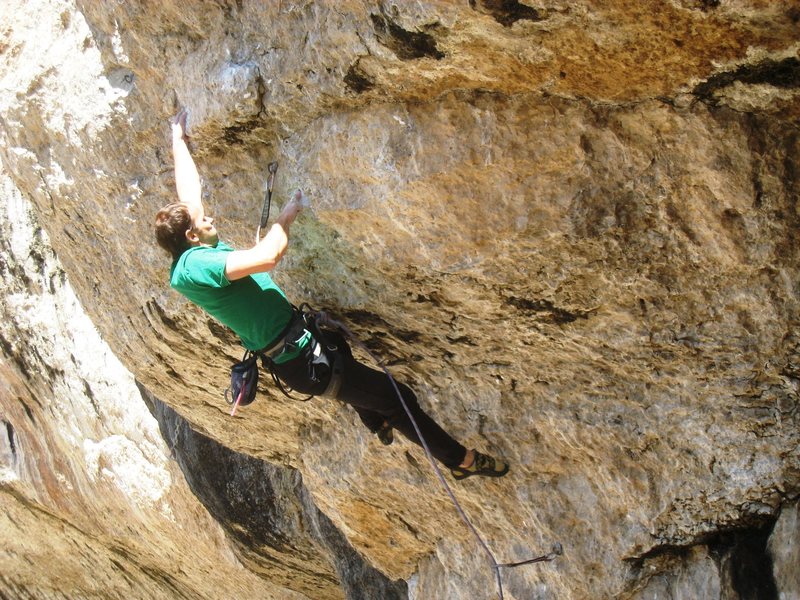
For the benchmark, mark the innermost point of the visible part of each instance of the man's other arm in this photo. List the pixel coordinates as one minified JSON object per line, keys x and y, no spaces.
{"x":266,"y":254}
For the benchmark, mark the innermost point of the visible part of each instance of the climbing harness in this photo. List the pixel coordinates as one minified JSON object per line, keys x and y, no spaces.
{"x":323,"y":353}
{"x":323,"y":360}
{"x":324,"y":320}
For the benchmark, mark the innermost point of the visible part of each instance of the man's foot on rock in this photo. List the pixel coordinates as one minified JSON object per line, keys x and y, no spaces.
{"x":484,"y":465}
{"x":385,"y":434}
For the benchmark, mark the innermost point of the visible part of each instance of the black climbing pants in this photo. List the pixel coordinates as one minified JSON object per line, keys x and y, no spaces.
{"x":373,"y":397}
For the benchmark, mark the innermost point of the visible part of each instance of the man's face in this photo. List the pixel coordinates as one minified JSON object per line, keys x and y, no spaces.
{"x":203,"y":231}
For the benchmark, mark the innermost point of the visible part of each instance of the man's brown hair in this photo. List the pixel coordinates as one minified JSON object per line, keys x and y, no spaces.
{"x":172,"y":223}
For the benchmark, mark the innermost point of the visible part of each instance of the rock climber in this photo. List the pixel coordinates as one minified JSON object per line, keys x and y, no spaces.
{"x":234,"y":286}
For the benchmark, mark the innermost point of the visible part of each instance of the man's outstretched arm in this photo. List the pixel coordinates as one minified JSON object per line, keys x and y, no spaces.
{"x":187,"y":179}
{"x":269,"y":251}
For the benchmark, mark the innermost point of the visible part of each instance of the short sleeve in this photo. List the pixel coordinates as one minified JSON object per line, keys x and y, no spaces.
{"x":205,"y":267}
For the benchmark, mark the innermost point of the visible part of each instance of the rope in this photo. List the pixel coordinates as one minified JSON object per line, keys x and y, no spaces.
{"x":325,"y":320}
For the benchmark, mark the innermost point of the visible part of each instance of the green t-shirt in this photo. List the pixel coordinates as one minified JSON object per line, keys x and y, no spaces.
{"x":254,"y":307}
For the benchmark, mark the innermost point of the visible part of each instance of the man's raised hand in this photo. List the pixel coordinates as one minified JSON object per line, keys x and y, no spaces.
{"x":293,"y":207}
{"x":187,"y":179}
{"x":179,"y":126}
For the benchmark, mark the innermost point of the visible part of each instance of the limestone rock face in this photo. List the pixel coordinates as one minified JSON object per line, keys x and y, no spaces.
{"x":278,"y":531}
{"x":88,"y":483}
{"x":570,"y":226}
{"x":92,"y":505}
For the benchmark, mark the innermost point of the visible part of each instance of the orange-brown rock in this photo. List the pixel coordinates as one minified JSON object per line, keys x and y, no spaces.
{"x":571,"y":226}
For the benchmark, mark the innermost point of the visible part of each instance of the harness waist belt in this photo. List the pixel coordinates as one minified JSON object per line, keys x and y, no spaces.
{"x":275,"y":348}
{"x":335,"y":382}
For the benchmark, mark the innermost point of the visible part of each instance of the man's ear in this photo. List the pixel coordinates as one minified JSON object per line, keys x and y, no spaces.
{"x":192,"y":236}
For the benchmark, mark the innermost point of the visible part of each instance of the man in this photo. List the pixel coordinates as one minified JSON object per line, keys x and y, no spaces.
{"x":234,"y":286}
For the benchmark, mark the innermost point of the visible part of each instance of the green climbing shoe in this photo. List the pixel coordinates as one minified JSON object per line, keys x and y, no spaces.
{"x":484,"y":465}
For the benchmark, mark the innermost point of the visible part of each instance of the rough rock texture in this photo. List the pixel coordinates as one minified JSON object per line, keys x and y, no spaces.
{"x":269,"y":514}
{"x":82,"y":465}
{"x":572,"y":226}
{"x":92,"y":505}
